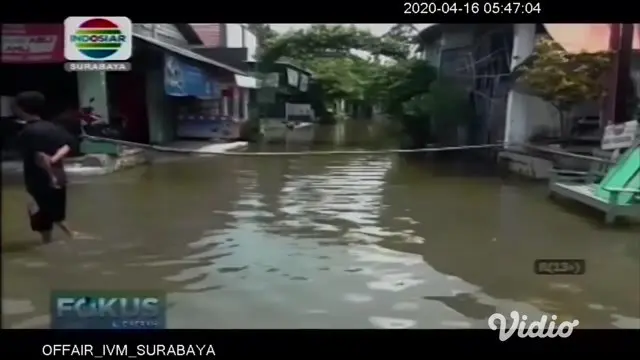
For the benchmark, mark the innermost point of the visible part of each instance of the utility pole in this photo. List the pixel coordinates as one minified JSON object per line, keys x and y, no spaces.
{"x":621,"y":45}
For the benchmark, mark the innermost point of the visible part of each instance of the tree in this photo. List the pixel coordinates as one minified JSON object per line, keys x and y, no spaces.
{"x":564,"y":79}
{"x":328,"y":52}
{"x":405,"y":35}
{"x":343,"y":75}
{"x":264,"y":34}
{"x":322,"y":40}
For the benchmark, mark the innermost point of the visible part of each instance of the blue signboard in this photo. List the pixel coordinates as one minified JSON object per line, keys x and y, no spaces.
{"x":182,"y":79}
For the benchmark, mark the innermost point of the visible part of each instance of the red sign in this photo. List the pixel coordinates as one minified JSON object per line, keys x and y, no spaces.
{"x":32,"y":43}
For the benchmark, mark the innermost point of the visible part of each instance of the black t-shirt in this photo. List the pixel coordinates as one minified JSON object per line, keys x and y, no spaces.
{"x":45,"y":137}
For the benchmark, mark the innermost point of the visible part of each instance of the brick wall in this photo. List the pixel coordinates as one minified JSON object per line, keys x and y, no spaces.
{"x":210,"y":34}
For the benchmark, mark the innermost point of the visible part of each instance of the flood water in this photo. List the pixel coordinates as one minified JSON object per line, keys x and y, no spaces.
{"x":323,"y":242}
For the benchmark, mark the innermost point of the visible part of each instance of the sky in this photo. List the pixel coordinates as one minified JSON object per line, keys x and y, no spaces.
{"x":377,"y":29}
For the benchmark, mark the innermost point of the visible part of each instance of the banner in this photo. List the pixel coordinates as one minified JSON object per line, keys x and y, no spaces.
{"x":182,"y":79}
{"x":298,"y":112}
{"x":32,"y":43}
{"x":620,"y":136}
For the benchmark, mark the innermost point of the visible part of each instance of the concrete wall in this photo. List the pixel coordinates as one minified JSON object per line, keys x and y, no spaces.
{"x":526,"y":114}
{"x":161,"y":127}
{"x":93,"y":84}
{"x":167,"y":33}
{"x":237,"y":36}
{"x":432,"y":53}
{"x":234,"y":35}
{"x":448,"y":41}
{"x":227,"y":36}
{"x":251,"y":43}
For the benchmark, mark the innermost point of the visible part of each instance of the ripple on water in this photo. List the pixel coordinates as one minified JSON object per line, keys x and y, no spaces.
{"x":391,"y":323}
{"x":16,"y":307}
{"x":357,"y":298}
{"x":405,"y":306}
{"x":292,"y":243}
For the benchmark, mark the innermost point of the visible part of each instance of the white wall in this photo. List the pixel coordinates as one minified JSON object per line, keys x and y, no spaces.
{"x":526,"y":114}
{"x":239,"y":37}
{"x":234,"y":35}
{"x":251,"y":43}
{"x":93,"y":84}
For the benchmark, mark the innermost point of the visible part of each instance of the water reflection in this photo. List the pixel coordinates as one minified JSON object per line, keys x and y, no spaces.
{"x":322,"y":242}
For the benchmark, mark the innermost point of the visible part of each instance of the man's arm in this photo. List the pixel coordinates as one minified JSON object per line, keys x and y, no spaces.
{"x":68,"y":142}
{"x":44,"y":162}
{"x":60,"y":154}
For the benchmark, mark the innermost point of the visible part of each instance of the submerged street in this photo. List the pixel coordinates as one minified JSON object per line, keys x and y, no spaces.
{"x":334,"y":242}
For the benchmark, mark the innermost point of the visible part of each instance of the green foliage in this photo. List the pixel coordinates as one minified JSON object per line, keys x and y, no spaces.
{"x":448,"y":104}
{"x":264,"y":35}
{"x":336,"y":41}
{"x":406,"y":80}
{"x":404,"y":35}
{"x":565,"y":79}
{"x":327,"y":52}
{"x":339,"y":78}
{"x":400,"y":85}
{"x":250,"y":130}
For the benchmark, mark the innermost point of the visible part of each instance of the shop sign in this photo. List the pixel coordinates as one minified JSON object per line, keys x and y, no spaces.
{"x":32,"y":43}
{"x":620,"y":136}
{"x":182,"y":79}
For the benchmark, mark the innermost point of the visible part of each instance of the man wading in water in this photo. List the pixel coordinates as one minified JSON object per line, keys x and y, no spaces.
{"x":44,"y":145}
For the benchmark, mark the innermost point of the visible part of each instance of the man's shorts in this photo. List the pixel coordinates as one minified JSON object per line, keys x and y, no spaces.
{"x":52,"y":207}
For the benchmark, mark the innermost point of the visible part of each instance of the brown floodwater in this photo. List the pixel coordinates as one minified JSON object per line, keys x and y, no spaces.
{"x":323,"y":242}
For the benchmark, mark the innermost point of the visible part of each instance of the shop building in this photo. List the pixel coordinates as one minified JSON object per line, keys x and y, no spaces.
{"x":171,"y":93}
{"x":235,"y":45}
{"x":32,"y":59}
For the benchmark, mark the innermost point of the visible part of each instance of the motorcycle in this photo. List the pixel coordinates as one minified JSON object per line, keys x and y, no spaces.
{"x":85,"y":121}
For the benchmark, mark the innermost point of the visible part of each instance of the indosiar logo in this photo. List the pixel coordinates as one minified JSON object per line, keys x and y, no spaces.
{"x":97,"y":38}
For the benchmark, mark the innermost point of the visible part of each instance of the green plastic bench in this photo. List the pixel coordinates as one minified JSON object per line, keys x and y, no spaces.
{"x":613,"y":188}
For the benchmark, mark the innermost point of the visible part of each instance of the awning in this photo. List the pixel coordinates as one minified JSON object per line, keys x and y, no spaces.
{"x":247,"y":82}
{"x":187,"y":53}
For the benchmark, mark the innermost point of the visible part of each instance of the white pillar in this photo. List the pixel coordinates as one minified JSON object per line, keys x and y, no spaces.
{"x":225,"y":106}
{"x":524,"y":37}
{"x":245,"y":103}
{"x":93,"y":84}
{"x":236,"y":101}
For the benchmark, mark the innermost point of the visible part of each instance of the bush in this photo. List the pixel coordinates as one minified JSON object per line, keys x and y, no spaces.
{"x":250,"y":131}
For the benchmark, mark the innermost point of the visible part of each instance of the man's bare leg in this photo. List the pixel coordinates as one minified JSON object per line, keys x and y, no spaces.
{"x":71,"y":234}
{"x":46,"y":236}
{"x":67,"y":231}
